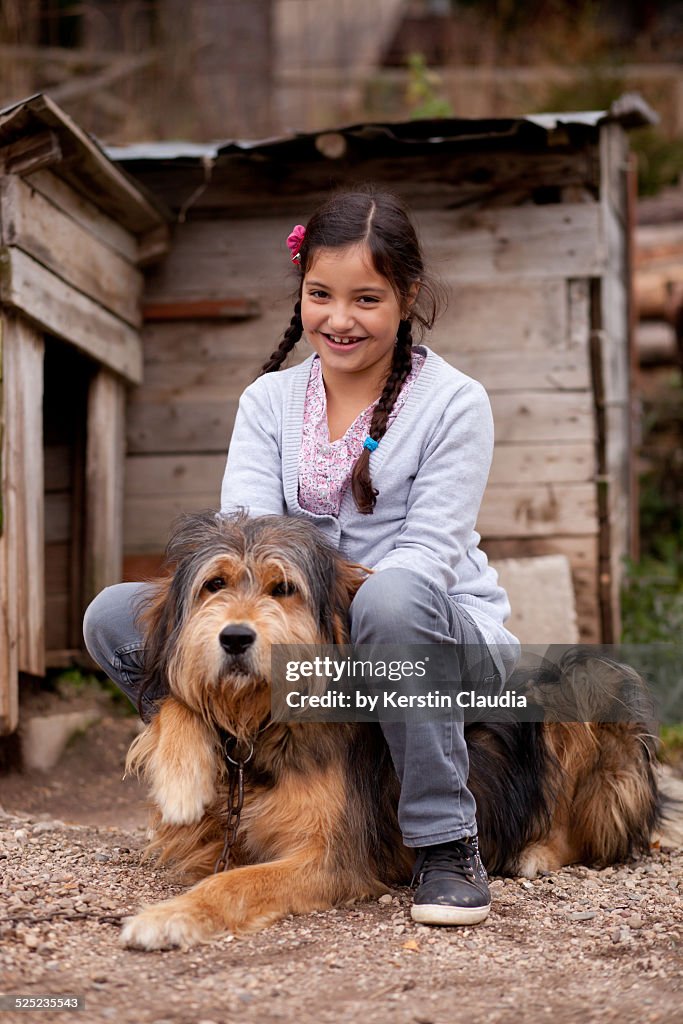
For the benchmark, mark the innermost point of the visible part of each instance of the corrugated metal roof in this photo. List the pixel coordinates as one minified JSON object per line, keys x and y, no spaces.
{"x":629,"y":110}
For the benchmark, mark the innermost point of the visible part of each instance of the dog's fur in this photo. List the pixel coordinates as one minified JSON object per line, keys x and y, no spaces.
{"x":319,"y":824}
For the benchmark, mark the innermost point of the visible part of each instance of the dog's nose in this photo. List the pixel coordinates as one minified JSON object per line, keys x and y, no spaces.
{"x":236,"y":639}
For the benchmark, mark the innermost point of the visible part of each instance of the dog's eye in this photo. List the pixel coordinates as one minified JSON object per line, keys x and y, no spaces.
{"x":282,"y":589}
{"x":215,"y":584}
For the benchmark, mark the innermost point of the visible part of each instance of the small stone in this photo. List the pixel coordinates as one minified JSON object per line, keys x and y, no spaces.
{"x":385,"y":899}
{"x":583,"y":915}
{"x":635,"y":921}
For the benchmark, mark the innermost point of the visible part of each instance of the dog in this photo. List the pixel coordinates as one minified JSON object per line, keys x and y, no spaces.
{"x":306,"y":812}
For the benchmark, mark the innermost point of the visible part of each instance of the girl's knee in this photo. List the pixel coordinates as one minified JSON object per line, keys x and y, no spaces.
{"x":387,"y":599}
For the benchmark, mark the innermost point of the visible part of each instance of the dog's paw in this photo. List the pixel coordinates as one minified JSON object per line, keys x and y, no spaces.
{"x":180,"y":803}
{"x":165,"y":926}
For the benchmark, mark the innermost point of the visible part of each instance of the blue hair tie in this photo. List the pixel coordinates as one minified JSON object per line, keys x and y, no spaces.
{"x":370,"y":443}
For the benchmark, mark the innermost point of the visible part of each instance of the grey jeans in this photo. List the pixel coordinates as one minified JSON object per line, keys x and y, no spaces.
{"x":393,"y":607}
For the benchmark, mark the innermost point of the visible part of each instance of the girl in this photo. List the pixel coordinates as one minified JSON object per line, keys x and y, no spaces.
{"x":386,"y":448}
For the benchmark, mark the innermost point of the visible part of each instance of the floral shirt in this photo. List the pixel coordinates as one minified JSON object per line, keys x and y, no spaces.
{"x":325,"y":466}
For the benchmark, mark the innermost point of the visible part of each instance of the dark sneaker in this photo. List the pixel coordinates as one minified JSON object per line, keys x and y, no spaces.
{"x":452,"y":884}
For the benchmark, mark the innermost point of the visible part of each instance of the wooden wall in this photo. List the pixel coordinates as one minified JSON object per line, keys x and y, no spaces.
{"x":521,"y":318}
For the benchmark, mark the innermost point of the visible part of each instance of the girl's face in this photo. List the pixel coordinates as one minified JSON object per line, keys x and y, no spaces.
{"x":350,"y":313}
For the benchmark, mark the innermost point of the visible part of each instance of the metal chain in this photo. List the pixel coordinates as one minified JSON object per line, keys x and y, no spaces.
{"x":235,"y":801}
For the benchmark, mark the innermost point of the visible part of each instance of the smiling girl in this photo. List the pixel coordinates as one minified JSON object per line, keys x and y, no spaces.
{"x":386,"y":448}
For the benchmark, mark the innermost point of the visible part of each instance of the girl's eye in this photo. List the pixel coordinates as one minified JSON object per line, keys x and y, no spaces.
{"x":318,"y":294}
{"x":215,"y":584}
{"x":282,"y":589}
{"x":368,"y":299}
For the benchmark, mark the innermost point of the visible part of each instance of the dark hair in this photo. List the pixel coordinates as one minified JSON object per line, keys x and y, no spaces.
{"x":380,"y":221}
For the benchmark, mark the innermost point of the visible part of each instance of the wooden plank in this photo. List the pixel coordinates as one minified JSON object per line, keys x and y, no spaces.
{"x":200,"y":419}
{"x":147,"y":521}
{"x":543,"y":416}
{"x":540,"y":463}
{"x":85,"y":213}
{"x":23,"y":511}
{"x":499,"y":315}
{"x":241,"y":344}
{"x":231,"y":308}
{"x":566,"y":370}
{"x":197,"y":422}
{"x":549,"y":241}
{"x":27,"y":286}
{"x":182,"y":475}
{"x":541,"y":510}
{"x":104,"y":483}
{"x":35,"y":225}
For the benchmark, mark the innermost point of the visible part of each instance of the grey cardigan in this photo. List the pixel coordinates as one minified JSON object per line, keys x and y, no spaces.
{"x":430,"y":469}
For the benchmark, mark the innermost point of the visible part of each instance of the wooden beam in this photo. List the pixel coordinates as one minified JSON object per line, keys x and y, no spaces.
{"x":31,"y":154}
{"x":29,"y":288}
{"x":104,"y":482}
{"x":22,"y":554}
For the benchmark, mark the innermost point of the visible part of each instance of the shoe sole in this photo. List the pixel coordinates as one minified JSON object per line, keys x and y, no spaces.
{"x":433,"y":913}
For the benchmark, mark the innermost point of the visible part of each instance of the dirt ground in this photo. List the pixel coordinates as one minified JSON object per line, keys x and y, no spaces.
{"x":581,"y":945}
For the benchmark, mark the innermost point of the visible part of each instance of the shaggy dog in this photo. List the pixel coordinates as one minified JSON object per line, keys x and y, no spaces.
{"x":305,"y":814}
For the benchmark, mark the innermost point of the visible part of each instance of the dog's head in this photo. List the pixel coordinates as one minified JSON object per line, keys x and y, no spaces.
{"x":239,"y":585}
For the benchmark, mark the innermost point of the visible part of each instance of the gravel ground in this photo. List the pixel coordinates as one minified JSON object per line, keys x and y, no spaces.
{"x":580,"y":945}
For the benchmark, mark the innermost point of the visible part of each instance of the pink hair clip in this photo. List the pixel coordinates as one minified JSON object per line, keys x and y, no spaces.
{"x":295,"y":241}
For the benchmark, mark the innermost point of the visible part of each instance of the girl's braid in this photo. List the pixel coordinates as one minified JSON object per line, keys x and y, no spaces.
{"x":364,"y":493}
{"x":289,"y":340}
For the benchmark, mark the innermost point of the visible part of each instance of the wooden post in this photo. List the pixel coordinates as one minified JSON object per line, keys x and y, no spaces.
{"x":104,"y":468}
{"x":22,"y":548}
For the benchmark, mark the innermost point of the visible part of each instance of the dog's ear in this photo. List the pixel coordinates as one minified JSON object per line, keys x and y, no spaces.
{"x":347,"y":581}
{"x":156,"y":616}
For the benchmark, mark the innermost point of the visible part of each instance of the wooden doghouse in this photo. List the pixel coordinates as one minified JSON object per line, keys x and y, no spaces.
{"x":527,"y":221}
{"x":74,"y":231}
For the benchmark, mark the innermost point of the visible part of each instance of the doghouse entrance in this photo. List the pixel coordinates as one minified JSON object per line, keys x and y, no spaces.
{"x":67,"y":377}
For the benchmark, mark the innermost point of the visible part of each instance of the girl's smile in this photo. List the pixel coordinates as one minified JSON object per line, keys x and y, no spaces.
{"x":350,"y":315}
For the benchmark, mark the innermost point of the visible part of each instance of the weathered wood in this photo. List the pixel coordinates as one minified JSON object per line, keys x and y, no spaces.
{"x":31,"y":154}
{"x":9,"y":669}
{"x":202,"y":309}
{"x":539,"y":462}
{"x":523,"y":371}
{"x":541,"y":510}
{"x":85,"y":213}
{"x":179,"y":475}
{"x":23,"y":510}
{"x":147,"y":521}
{"x":200,"y":419}
{"x":84,"y":165}
{"x":31,"y":223}
{"x":104,"y":482}
{"x":57,"y":459}
{"x":562,"y":240}
{"x":194,"y":422}
{"x":28,"y":287}
{"x":499,"y":315}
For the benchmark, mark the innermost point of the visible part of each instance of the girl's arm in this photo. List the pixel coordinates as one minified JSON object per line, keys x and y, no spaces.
{"x":253,"y":474}
{"x":446,"y":492}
